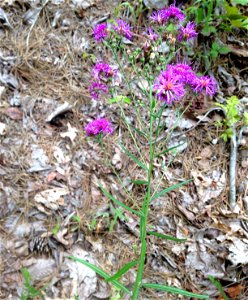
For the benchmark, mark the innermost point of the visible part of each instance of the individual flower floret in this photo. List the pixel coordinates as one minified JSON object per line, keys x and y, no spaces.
{"x":102,"y":70}
{"x":100,"y":32}
{"x":151,"y":35}
{"x":206,"y":84}
{"x":172,"y":12}
{"x":123,"y":28}
{"x":187,"y":33}
{"x":95,"y":88}
{"x":158,"y":17}
{"x":99,"y":126}
{"x":168,"y":87}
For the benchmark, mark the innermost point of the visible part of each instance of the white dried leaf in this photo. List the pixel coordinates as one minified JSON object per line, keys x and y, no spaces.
{"x":52,"y":198}
{"x":4,"y":19}
{"x":238,"y":251}
{"x":83,"y":4}
{"x":71,"y":133}
{"x":3,"y":128}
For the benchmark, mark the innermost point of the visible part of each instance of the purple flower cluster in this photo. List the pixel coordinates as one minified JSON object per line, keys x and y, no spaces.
{"x":96,"y":88}
{"x":99,"y":126}
{"x":100,"y":32}
{"x":187,"y":33}
{"x":171,"y":84}
{"x":102,"y":71}
{"x":123,"y":29}
{"x":164,"y":15}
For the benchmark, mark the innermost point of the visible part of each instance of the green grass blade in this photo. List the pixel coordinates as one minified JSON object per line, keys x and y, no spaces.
{"x":173,"y":290}
{"x":168,"y":150}
{"x":112,"y":198}
{"x":219,"y":287}
{"x":123,"y":270}
{"x":134,"y":158}
{"x":139,"y":181}
{"x":169,"y":189}
{"x":166,"y":237}
{"x":100,"y":272}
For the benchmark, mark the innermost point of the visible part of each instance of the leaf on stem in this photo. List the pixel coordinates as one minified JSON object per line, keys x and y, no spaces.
{"x":100,"y":272}
{"x":123,"y":270}
{"x":169,"y":189}
{"x":112,"y":198}
{"x":139,"y":163}
{"x":173,"y":290}
{"x":139,"y":181}
{"x":166,"y":237}
{"x":169,"y":149}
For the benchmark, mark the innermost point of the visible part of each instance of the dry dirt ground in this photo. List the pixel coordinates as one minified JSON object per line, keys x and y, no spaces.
{"x":50,"y":205}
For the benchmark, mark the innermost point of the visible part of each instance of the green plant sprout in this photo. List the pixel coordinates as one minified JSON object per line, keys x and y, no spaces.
{"x":232,"y":117}
{"x":29,"y":291}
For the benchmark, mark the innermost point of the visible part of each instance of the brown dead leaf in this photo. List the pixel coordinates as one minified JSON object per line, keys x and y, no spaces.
{"x":14,"y":113}
{"x":51,"y":176}
{"x":234,"y":291}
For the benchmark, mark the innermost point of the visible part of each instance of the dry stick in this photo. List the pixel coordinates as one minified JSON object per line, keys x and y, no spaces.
{"x":232,"y":168}
{"x":35,"y":21}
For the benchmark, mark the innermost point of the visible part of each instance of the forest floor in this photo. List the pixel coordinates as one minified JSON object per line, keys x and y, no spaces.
{"x":50,"y":203}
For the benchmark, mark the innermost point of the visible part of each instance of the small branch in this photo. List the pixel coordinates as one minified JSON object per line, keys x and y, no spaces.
{"x":232,"y":168}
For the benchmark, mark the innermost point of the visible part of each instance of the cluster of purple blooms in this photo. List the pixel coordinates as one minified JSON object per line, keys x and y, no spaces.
{"x":171,"y":85}
{"x":100,"y":32}
{"x":99,"y":126}
{"x":173,"y":13}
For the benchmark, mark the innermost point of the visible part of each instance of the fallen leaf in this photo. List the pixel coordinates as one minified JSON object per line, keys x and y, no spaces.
{"x":51,"y":176}
{"x":71,"y":133}
{"x":234,"y":291}
{"x":51,"y":198}
{"x":2,"y":128}
{"x":14,"y":113}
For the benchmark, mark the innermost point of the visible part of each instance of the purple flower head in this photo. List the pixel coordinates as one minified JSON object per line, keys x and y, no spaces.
{"x":206,"y":84}
{"x":158,"y":17}
{"x":95,"y":88}
{"x":151,"y":35}
{"x":172,"y":12}
{"x":98,"y":126}
{"x":187,"y":33}
{"x":184,"y":72}
{"x":102,"y":70}
{"x":168,"y":87}
{"x":100,"y":32}
{"x":123,"y":28}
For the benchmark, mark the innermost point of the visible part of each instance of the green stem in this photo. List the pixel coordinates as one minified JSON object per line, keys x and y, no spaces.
{"x":145,"y":211}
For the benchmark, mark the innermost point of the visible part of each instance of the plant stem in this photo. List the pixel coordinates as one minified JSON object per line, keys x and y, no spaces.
{"x":145,"y":210}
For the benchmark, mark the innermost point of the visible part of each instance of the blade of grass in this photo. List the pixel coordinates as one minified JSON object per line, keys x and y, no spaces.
{"x":100,"y":272}
{"x":170,"y":188}
{"x":173,"y":290}
{"x":118,"y":202}
{"x":166,"y":237}
{"x":219,"y":287}
{"x":169,"y":149}
{"x":139,"y":181}
{"x":123,"y":270}
{"x":134,"y":158}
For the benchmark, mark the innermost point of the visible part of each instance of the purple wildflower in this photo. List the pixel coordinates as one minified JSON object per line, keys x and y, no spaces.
{"x":183,"y":72}
{"x":123,"y":28}
{"x":100,"y":32}
{"x":187,"y":33}
{"x":168,"y":87}
{"x":151,"y":35}
{"x":95,"y":89}
{"x":172,"y":12}
{"x":102,"y":70}
{"x":98,"y":126}
{"x":206,"y":84}
{"x":158,"y":17}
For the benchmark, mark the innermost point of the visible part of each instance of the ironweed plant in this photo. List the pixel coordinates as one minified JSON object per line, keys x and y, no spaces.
{"x":165,"y":77}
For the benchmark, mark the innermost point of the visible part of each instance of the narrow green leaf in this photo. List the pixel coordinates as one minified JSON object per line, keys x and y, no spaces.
{"x":169,"y":189}
{"x":166,"y":237}
{"x":100,"y":272}
{"x":119,"y":202}
{"x":119,"y":98}
{"x":173,"y":290}
{"x":123,"y":270}
{"x":140,"y":132}
{"x":224,"y":50}
{"x":139,"y":163}
{"x":169,"y":149}
{"x":139,"y":181}
{"x":219,"y":287}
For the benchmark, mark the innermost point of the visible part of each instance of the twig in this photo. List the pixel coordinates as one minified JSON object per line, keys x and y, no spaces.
{"x":232,"y":168}
{"x":35,"y":21}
